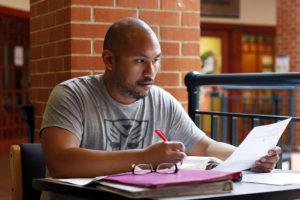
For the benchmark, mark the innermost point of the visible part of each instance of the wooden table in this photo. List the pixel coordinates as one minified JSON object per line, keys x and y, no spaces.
{"x":241,"y":190}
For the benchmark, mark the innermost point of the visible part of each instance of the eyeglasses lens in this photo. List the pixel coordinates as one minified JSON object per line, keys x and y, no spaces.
{"x":166,"y":168}
{"x":142,"y":169}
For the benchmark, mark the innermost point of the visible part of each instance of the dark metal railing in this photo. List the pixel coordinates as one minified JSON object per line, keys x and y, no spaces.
{"x":274,"y":100}
{"x":194,"y":80}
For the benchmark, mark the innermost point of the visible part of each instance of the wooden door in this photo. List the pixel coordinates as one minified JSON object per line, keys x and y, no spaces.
{"x":14,"y":75}
{"x":257,"y":53}
{"x":246,"y":48}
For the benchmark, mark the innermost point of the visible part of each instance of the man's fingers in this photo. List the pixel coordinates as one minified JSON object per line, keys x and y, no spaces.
{"x":178,"y":155}
{"x":174,"y":152}
{"x":270,"y":159}
{"x":261,"y":169}
{"x":267,"y":163}
{"x":177,"y":146}
{"x":275,"y":151}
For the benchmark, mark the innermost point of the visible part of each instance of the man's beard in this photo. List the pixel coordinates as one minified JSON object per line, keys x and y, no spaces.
{"x":130,"y":91}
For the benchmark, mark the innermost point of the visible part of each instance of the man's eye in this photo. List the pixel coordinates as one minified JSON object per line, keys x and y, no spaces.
{"x":155,"y":60}
{"x":140,"y":60}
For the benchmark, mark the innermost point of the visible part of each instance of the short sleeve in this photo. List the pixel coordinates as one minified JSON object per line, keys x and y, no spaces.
{"x":64,"y":110}
{"x":180,"y":127}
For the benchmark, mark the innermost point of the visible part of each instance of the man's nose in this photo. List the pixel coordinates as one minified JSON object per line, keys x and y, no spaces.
{"x":150,"y":69}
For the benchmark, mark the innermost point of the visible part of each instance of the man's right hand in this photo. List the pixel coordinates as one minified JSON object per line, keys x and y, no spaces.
{"x":165,"y":152}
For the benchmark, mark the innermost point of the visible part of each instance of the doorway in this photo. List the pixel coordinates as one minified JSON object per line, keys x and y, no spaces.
{"x":14,"y":76}
{"x":245,"y":48}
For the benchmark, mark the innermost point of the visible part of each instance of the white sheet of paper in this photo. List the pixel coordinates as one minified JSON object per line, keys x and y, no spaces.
{"x":81,"y":181}
{"x":85,"y":181}
{"x":256,"y":145}
{"x":272,"y":178}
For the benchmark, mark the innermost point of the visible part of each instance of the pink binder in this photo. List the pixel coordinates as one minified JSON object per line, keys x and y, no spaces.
{"x":182,"y":177}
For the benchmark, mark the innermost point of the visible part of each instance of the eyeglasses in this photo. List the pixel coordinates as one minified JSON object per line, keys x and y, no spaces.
{"x":164,"y":168}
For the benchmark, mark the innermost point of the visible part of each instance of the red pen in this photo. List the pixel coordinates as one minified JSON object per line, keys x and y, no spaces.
{"x":161,"y":135}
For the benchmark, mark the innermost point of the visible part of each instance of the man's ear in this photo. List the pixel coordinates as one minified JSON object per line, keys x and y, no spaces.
{"x":108,"y":59}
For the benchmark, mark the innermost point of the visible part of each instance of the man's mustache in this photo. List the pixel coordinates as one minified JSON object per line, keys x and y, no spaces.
{"x":146,"y":80}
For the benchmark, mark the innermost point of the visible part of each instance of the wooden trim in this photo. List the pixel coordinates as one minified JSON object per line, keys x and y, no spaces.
{"x":224,"y":27}
{"x":16,"y":172}
{"x":225,"y":46}
{"x":239,"y":27}
{"x":14,"y":12}
{"x":235,"y":52}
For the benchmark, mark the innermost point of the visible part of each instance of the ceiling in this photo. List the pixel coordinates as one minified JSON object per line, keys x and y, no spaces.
{"x":16,"y":4}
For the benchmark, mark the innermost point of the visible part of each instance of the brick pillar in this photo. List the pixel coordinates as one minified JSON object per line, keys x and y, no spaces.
{"x":50,"y":51}
{"x":67,"y":38}
{"x":288,"y":43}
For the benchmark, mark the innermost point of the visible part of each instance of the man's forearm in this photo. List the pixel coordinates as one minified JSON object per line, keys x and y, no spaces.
{"x":77,"y":162}
{"x":209,"y":147}
{"x":220,"y":150}
{"x":65,"y":158}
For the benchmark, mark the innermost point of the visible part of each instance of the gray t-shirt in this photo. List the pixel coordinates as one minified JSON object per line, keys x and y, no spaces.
{"x":84,"y":107}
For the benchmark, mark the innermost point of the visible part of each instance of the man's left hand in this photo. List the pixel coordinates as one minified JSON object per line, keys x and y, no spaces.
{"x":268,"y":162}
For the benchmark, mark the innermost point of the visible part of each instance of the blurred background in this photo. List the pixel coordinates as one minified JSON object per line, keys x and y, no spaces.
{"x":43,"y":42}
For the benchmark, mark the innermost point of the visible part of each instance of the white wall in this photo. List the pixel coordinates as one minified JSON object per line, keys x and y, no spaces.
{"x":16,"y":4}
{"x":255,"y":12}
{"x":260,"y":12}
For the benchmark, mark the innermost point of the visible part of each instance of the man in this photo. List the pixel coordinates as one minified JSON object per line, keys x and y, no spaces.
{"x":100,"y":125}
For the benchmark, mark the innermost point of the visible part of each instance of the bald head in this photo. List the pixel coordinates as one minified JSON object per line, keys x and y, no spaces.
{"x":131,"y":55}
{"x":125,"y":31}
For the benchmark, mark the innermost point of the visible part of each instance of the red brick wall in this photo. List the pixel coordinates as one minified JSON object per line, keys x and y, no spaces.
{"x":50,"y":51}
{"x":67,"y":38}
{"x":288,"y":43}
